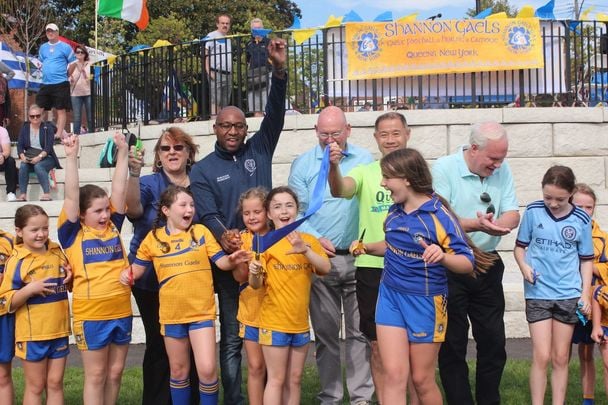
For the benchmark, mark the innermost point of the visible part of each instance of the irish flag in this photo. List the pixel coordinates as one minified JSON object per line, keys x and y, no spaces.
{"x":134,"y":11}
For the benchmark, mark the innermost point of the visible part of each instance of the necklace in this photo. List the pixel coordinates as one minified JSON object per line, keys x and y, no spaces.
{"x":183,"y":182}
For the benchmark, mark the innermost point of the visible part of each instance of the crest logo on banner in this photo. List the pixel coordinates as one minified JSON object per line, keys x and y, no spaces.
{"x":518,"y":38}
{"x":368,"y":47}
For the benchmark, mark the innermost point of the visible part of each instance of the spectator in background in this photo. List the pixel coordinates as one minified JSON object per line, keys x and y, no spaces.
{"x":366,"y":107}
{"x":8,"y":165}
{"x":35,"y":149}
{"x":6,"y":74}
{"x":79,"y":73}
{"x":258,"y":69}
{"x":55,"y":90}
{"x":218,"y":63}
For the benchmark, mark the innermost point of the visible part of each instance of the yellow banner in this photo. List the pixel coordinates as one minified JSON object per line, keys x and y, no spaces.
{"x":393,"y":49}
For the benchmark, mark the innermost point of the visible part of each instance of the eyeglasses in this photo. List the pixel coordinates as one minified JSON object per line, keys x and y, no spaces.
{"x":227,"y":126}
{"x":333,"y":135}
{"x":167,"y":148}
{"x":485,"y":197}
{"x":35,"y":116}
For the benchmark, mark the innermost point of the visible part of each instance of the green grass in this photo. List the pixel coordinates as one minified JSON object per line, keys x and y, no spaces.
{"x":514,"y":388}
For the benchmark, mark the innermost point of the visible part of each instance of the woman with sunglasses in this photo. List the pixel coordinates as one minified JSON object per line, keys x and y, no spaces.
{"x":79,"y":73}
{"x":174,"y":155}
{"x":36,"y":153}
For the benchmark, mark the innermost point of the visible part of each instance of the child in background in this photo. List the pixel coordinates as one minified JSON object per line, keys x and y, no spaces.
{"x":89,"y":230}
{"x":585,"y":199}
{"x":35,"y":288}
{"x":251,"y":206}
{"x":423,"y":241}
{"x":284,"y":328}
{"x":7,"y":328}
{"x":180,"y":253}
{"x":554,"y":252}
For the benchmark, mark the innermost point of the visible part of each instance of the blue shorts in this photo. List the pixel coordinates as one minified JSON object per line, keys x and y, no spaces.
{"x":180,"y":330}
{"x":424,"y":318}
{"x":43,"y":349}
{"x":95,"y":335}
{"x":249,"y":332}
{"x":273,"y":338}
{"x":582,"y":334}
{"x":7,"y":338}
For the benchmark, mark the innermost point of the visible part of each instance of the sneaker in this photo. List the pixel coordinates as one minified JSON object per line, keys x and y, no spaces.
{"x":10,"y":197}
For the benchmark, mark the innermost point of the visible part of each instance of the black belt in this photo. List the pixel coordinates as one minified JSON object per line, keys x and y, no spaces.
{"x":342,"y":252}
{"x":224,"y":72}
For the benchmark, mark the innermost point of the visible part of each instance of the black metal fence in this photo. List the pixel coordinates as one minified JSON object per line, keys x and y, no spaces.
{"x":170,"y":84}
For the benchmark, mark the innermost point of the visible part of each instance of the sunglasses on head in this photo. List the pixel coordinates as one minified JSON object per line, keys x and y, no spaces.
{"x":167,"y":148}
{"x":486,"y":198}
{"x":35,"y":115}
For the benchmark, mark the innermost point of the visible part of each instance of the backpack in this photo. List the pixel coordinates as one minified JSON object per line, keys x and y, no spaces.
{"x":107,"y":157}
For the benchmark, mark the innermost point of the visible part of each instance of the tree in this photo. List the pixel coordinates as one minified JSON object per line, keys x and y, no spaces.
{"x":498,"y":6}
{"x":25,"y":21}
{"x":171,"y":28}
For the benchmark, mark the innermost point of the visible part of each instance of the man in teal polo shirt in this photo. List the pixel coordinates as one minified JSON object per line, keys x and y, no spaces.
{"x":391,"y":133}
{"x":478,"y":184}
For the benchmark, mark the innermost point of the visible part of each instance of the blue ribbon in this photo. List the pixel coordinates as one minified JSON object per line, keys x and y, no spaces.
{"x":263,"y":243}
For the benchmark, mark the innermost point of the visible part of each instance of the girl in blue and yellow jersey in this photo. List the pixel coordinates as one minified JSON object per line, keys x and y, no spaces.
{"x":180,"y":253}
{"x":554,"y":252}
{"x":423,"y":241}
{"x":7,"y":328}
{"x":287,"y":275}
{"x":585,"y":199}
{"x":251,"y":206}
{"x":35,"y":288}
{"x":89,"y":230}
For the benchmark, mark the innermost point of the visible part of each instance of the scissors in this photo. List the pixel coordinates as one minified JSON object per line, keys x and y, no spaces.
{"x":360,"y":241}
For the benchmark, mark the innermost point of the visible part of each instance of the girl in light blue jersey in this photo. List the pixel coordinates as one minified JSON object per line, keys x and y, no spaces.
{"x":554,"y":251}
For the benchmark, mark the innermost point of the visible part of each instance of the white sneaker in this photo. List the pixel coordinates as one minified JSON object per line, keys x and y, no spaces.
{"x":10,"y":197}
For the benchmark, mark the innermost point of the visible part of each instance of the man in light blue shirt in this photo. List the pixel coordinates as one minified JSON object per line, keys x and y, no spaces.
{"x":55,"y":56}
{"x":336,"y":226}
{"x":478,"y":184}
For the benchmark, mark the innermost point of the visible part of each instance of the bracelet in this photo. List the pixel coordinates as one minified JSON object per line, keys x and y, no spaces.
{"x":281,"y":71}
{"x":133,"y":174}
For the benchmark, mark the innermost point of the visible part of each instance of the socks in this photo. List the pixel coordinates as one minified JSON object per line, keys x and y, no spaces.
{"x":208,"y":392}
{"x":180,"y":391}
{"x":588,"y":401}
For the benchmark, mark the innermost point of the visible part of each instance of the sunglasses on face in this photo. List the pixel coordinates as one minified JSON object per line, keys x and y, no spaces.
{"x":167,"y":148}
{"x":486,"y":198}
{"x":79,"y":53}
{"x":35,"y":116}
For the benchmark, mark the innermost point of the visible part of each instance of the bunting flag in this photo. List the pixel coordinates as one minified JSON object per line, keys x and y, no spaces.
{"x":296,"y":23}
{"x":408,"y":18}
{"x":546,"y":12}
{"x":263,"y":243}
{"x":387,"y":16}
{"x":585,"y":14}
{"x":300,"y":36}
{"x":601,"y":17}
{"x":333,"y":22}
{"x":494,"y":16}
{"x":260,"y":32}
{"x":134,"y":11}
{"x":526,"y":11}
{"x":161,"y":42}
{"x":483,"y":14}
{"x":351,"y":16}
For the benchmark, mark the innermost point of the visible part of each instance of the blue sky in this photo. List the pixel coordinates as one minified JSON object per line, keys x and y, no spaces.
{"x":316,"y":12}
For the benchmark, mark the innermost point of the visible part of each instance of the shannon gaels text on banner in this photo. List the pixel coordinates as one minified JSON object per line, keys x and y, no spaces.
{"x":392,"y":49}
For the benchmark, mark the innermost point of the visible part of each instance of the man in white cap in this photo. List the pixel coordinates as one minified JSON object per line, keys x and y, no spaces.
{"x":54,"y":93}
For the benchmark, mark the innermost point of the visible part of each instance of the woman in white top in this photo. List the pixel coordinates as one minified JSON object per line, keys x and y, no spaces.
{"x":79,"y":73}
